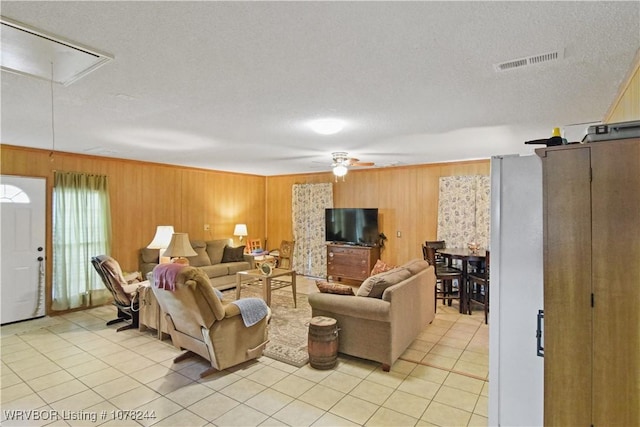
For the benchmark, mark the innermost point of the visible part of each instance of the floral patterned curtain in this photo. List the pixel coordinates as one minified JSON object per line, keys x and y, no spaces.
{"x":463,"y":210}
{"x":308,"y":205}
{"x":483,"y":211}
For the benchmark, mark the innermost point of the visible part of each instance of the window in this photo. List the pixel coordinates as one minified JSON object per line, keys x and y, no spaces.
{"x":81,"y":230}
{"x":12,"y":194}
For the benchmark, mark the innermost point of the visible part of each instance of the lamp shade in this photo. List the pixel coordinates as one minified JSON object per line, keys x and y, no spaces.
{"x":179,"y":246}
{"x":162,"y":238}
{"x":240,"y":230}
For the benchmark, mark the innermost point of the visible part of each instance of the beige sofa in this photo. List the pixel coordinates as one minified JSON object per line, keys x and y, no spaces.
{"x":211,"y":259}
{"x":381,"y":328}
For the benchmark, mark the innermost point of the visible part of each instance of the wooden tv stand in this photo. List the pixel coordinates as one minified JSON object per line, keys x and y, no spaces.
{"x":350,"y":264}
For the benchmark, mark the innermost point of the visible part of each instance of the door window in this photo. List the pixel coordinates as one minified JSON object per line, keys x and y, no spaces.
{"x":12,"y":194}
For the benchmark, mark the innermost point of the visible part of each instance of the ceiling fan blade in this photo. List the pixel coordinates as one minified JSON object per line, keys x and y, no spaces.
{"x":340,"y":158}
{"x":349,"y":161}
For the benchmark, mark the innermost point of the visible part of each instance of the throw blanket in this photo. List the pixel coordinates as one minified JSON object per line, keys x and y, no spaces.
{"x":164,"y":276}
{"x":252,"y":310}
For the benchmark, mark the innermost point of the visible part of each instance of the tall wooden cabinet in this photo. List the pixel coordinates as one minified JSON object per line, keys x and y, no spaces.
{"x":350,"y":264}
{"x":592,"y":283}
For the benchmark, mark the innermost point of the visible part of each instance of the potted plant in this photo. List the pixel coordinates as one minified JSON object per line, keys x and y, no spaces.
{"x":381,"y":239}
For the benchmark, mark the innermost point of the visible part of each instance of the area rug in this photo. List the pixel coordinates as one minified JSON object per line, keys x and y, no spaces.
{"x":289,"y":326}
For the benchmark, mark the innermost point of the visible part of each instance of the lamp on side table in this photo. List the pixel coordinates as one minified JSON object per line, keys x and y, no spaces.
{"x":161,"y":241}
{"x":240,"y":230}
{"x":179,"y":248}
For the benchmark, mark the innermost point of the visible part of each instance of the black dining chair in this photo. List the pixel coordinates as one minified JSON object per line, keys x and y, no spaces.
{"x":479,"y":288}
{"x":436,"y":244}
{"x":445,"y":277}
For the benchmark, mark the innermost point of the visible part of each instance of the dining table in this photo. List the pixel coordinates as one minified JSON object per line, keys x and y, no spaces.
{"x":466,"y":256}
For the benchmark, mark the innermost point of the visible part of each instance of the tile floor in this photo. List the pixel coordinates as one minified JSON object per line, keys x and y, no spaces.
{"x":75,"y":368}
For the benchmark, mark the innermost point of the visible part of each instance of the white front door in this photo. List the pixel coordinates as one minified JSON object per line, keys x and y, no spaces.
{"x":22,"y":264}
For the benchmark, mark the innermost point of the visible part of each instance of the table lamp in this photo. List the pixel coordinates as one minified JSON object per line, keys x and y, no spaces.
{"x":179,"y":248}
{"x":161,"y":241}
{"x":240,"y":231}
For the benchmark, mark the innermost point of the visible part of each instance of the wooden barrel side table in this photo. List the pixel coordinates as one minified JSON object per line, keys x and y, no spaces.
{"x":323,"y":342}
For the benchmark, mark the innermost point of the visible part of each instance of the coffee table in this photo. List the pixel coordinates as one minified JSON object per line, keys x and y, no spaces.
{"x":257,"y":274}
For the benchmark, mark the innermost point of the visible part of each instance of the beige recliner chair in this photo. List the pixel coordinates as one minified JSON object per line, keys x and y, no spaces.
{"x":201,"y":324}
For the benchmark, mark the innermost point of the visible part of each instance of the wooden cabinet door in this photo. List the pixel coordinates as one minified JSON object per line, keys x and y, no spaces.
{"x":567,"y":287}
{"x":616,"y":283}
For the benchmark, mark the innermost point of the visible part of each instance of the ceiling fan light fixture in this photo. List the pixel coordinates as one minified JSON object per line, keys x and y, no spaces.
{"x":327,"y":126}
{"x":340,"y":170}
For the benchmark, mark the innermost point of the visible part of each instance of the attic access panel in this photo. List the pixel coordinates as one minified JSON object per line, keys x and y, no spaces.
{"x":31,"y":52}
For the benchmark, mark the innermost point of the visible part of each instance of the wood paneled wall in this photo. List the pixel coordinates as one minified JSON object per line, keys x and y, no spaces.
{"x":407,"y":199}
{"x":144,"y":195}
{"x":626,"y":106}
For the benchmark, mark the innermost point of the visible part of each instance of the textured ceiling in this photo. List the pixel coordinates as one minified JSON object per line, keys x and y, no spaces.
{"x":230,"y":85}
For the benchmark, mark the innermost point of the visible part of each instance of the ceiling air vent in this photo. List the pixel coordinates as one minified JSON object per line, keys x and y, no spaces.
{"x":529,"y":60}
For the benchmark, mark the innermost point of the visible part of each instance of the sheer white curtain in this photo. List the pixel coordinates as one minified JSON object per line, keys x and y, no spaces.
{"x":308,"y":205}
{"x":81,"y":230}
{"x":463,"y":210}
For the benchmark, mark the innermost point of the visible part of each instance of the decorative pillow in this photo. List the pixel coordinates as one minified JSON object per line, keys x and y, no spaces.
{"x":334,"y":288}
{"x":374,"y":286}
{"x":380,"y":267}
{"x":233,"y":254}
{"x":215,"y":249}
{"x":415,"y":266}
{"x":202,"y":258}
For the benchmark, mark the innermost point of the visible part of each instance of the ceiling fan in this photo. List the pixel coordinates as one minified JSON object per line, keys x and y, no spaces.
{"x":342,"y":162}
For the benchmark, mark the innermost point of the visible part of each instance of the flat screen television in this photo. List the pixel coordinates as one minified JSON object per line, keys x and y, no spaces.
{"x":353,"y":226}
